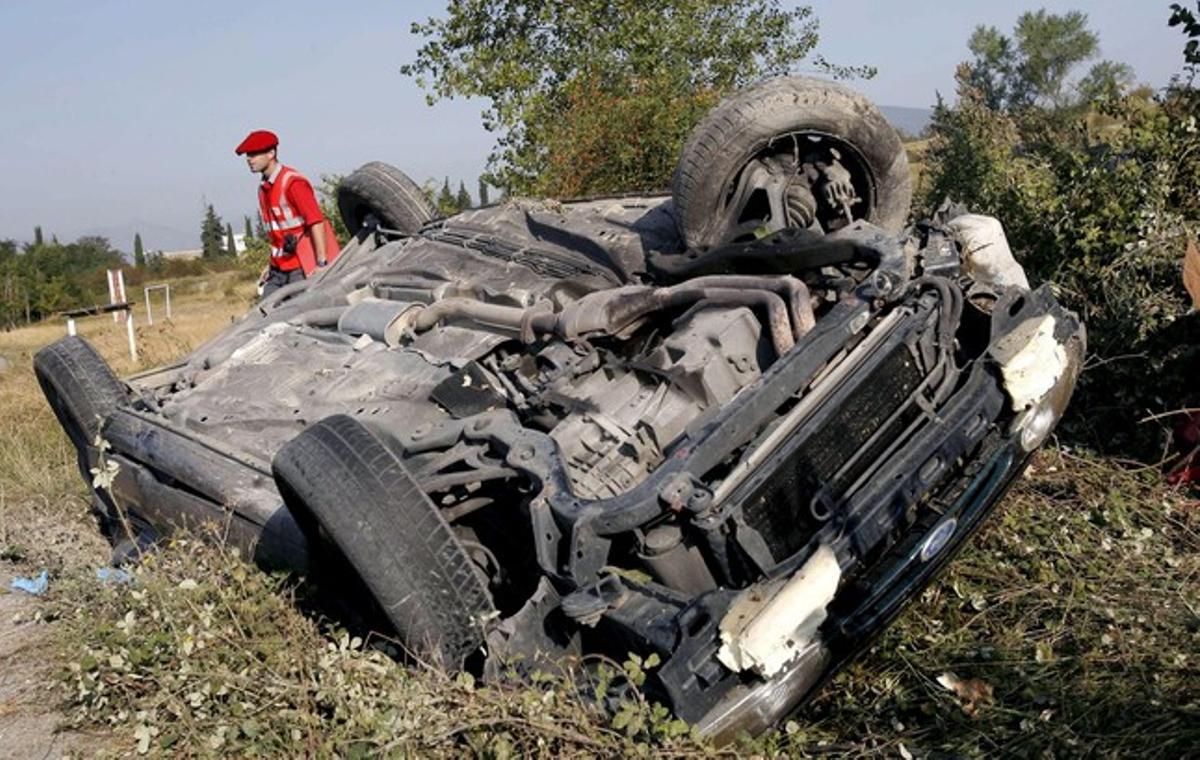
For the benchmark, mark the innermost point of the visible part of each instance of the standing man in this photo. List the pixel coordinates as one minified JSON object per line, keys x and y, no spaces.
{"x":301,"y":240}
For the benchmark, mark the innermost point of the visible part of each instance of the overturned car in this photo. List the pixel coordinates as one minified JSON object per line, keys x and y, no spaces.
{"x":739,"y":425}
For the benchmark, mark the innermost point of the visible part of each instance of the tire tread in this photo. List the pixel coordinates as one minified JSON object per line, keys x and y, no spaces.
{"x":389,"y":531}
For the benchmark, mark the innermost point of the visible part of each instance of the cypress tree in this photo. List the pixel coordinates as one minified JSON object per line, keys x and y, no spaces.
{"x":463,"y":199}
{"x":230,"y":245}
{"x":445,"y":200}
{"x":139,"y":255}
{"x":483,"y":192}
{"x":247,"y":231}
{"x":211,"y":231}
{"x":37,"y":236}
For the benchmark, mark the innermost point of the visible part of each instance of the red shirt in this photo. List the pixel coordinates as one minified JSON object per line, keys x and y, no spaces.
{"x":289,"y":207}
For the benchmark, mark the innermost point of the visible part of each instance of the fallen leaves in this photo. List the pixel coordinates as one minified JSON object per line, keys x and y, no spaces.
{"x":973,"y":693}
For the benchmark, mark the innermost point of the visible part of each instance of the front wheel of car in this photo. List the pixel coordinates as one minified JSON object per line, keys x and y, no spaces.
{"x":789,"y":152}
{"x":339,"y":477}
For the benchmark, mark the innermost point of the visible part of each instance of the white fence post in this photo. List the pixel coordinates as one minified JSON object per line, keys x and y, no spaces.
{"x":129,"y":332}
{"x":116,"y":291}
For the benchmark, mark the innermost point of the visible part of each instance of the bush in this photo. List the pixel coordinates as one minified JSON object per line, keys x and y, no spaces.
{"x":1099,"y":203}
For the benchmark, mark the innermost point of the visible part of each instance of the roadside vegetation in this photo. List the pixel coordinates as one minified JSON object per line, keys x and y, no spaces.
{"x":1069,"y":627}
{"x":1095,"y":181}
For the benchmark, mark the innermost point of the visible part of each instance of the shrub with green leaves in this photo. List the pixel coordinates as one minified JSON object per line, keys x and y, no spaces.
{"x":202,"y":654}
{"x":1098,"y":202}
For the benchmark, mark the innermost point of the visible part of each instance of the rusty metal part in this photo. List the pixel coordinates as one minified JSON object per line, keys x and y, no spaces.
{"x":791,"y":288}
{"x":611,"y":311}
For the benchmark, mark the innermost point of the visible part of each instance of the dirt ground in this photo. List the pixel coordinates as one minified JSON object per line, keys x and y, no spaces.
{"x":29,"y":718}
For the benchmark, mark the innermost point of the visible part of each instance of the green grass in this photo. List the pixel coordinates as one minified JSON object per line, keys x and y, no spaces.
{"x":1072,"y":624}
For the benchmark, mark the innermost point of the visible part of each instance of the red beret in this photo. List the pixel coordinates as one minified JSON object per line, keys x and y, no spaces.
{"x":257,"y":141}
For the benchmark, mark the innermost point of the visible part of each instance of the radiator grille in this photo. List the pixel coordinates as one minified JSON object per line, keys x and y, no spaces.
{"x":779,"y":508}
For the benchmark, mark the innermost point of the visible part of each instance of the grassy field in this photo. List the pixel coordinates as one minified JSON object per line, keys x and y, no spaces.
{"x":1070,"y":626}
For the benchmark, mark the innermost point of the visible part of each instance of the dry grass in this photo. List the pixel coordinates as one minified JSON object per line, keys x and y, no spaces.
{"x":43,"y":502}
{"x":1072,"y":624}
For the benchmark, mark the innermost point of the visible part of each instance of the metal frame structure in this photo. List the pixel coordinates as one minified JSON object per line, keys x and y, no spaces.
{"x":167,"y":292}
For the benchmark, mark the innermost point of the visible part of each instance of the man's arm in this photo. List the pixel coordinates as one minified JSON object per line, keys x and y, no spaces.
{"x":318,"y":237}
{"x":302,"y":197}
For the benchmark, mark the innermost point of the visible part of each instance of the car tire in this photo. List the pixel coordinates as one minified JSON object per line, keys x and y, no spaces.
{"x":744,"y":125}
{"x":338,"y":476}
{"x":81,"y":389}
{"x":383,"y":191}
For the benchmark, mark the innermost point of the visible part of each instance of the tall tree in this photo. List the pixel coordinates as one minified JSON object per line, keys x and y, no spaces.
{"x":211,"y":233}
{"x":483,"y":192}
{"x":139,"y":255}
{"x":992,"y":71}
{"x":247,"y":232}
{"x":462,"y":199}
{"x":37,"y":236}
{"x":598,"y":95}
{"x":230,"y":243}
{"x":1106,"y":80}
{"x":1033,"y":68}
{"x":446,"y":204}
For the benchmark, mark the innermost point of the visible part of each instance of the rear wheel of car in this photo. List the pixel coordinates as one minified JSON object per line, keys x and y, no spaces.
{"x":80,"y":388}
{"x":340,"y":476}
{"x":790,"y":152}
{"x":383,"y":191}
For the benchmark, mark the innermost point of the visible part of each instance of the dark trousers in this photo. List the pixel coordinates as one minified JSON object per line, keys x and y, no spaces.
{"x":277,"y":278}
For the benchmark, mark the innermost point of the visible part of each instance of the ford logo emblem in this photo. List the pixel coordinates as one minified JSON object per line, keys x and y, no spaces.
{"x":938,"y":539}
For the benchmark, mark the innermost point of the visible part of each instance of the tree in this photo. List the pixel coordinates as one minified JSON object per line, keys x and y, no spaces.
{"x":1032,"y":68}
{"x":230,"y":243}
{"x":483,"y":192}
{"x":211,"y":233}
{"x":37,"y":236}
{"x":599,"y":95}
{"x":462,"y":199}
{"x":446,"y":204}
{"x":993,"y":67}
{"x":247,"y":234}
{"x":139,"y":255}
{"x":49,"y":277}
{"x":1107,"y":80}
{"x":1190,"y":21}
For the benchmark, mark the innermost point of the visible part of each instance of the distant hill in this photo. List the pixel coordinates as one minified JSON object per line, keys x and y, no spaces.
{"x":908,"y":119}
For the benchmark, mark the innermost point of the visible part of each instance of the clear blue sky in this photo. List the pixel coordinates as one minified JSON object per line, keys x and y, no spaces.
{"x":122,"y":116}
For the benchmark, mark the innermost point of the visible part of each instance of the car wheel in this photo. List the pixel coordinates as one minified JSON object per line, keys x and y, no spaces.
{"x":80,"y":388}
{"x":790,"y":152}
{"x":338,"y":476}
{"x":383,"y":191}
